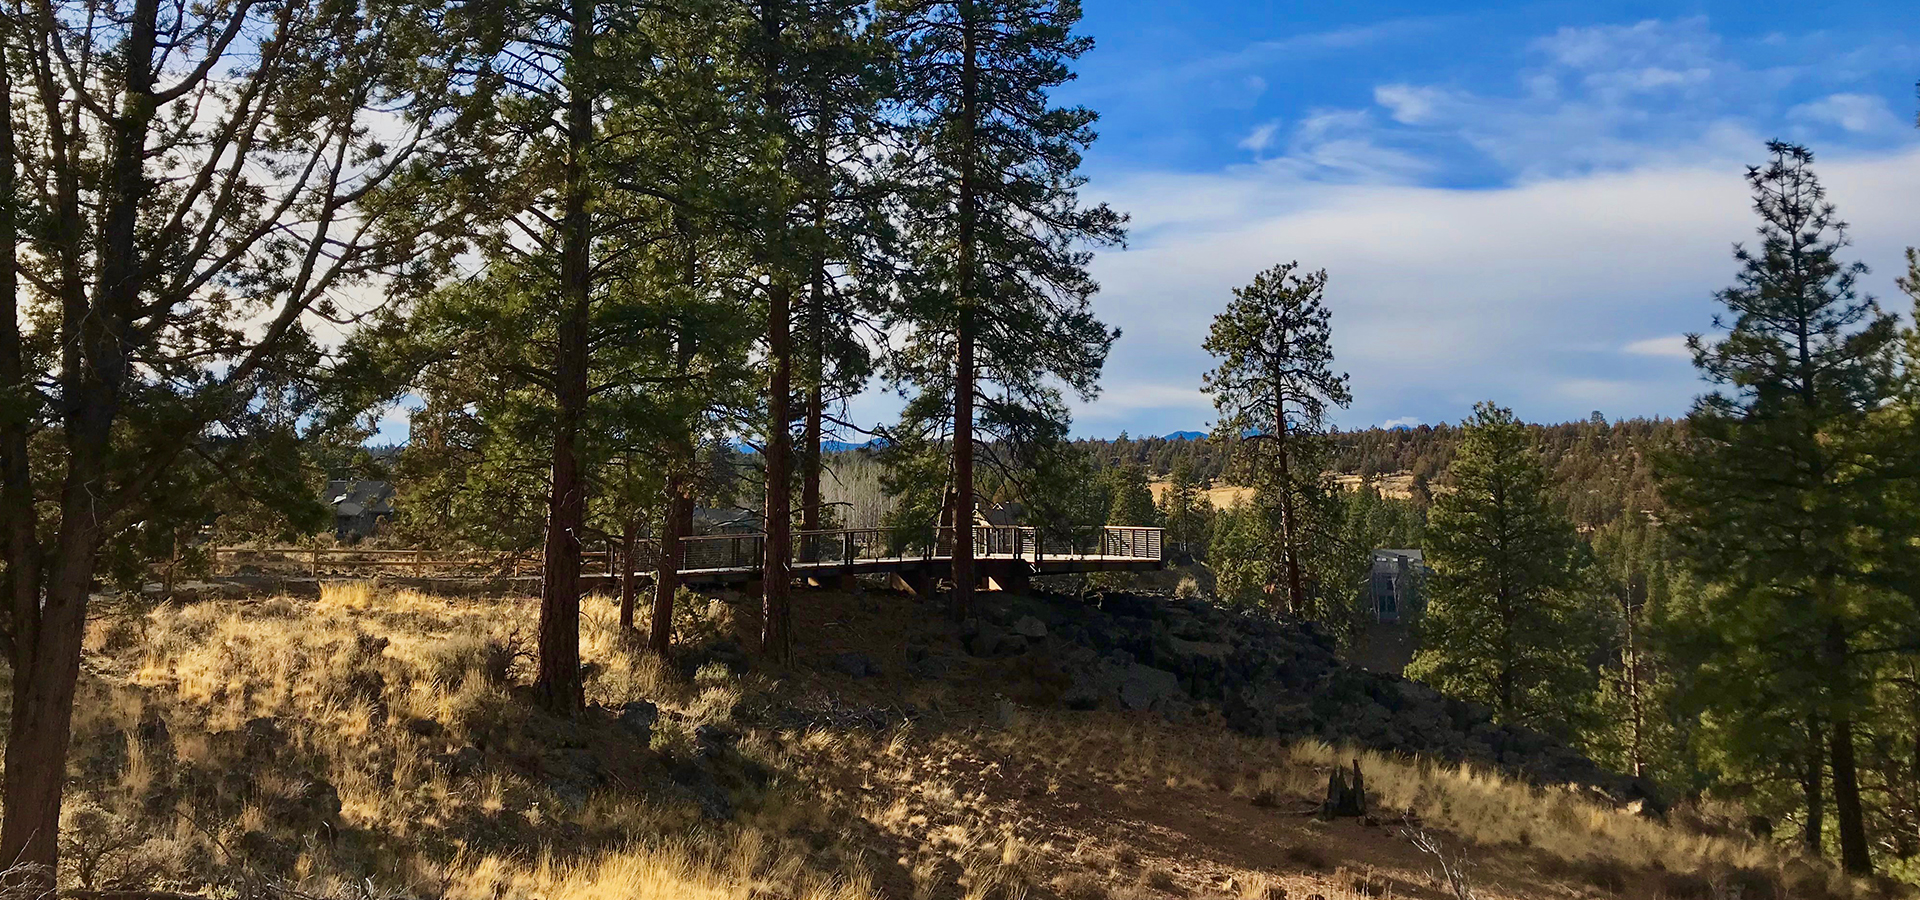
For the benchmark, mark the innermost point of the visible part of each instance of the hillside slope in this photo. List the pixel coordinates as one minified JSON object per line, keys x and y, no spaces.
{"x":377,"y":743}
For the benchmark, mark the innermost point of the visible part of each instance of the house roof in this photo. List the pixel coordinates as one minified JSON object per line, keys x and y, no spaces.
{"x":1000,"y":514}
{"x":353,"y":498}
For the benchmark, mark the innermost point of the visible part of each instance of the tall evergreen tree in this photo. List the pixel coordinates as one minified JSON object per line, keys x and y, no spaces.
{"x":1778,"y":477}
{"x":1180,"y":509}
{"x":998,"y":288}
{"x":1506,"y":623}
{"x":205,"y":179}
{"x":1131,"y":499}
{"x":1273,"y":387}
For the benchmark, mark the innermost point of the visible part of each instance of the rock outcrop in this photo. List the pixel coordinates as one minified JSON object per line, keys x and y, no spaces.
{"x":1267,"y":677}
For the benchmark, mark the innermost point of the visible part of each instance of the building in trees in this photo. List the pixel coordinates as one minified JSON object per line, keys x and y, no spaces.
{"x":1393,"y":584}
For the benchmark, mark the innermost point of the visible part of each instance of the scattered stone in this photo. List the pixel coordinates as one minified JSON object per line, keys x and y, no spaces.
{"x":712,"y":740}
{"x":933,"y":667}
{"x":637,"y":717}
{"x":424,"y":728}
{"x":1028,"y":626}
{"x":855,"y":665}
{"x":989,"y":639}
{"x":705,"y":790}
{"x":1145,"y":687}
{"x":464,"y":761}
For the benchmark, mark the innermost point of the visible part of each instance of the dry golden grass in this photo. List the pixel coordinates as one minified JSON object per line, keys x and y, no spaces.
{"x":379,"y":734}
{"x":376,"y":742}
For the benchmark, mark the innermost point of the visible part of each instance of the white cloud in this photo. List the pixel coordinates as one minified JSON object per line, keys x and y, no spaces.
{"x":1409,"y":104}
{"x":1857,"y":113}
{"x":1673,"y":346}
{"x":1120,"y":398}
{"x":1261,"y":138}
{"x":1402,"y":422}
{"x":1540,"y":295}
{"x":1645,"y":43}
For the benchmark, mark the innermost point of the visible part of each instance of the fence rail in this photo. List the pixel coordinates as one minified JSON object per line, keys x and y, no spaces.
{"x":722,"y":552}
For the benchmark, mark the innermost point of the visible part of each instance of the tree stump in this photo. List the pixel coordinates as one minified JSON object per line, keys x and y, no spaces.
{"x":1346,"y":794}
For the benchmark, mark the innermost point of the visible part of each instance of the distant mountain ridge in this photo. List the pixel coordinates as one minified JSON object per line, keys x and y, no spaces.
{"x":1184,"y":436}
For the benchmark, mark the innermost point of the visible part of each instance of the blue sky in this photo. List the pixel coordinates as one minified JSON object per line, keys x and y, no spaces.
{"x":1526,"y":203}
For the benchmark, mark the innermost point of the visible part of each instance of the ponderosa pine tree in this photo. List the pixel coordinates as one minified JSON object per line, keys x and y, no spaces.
{"x":1779,"y":475}
{"x":812,"y":73}
{"x":1180,"y":509}
{"x":1273,"y":387}
{"x":195,"y":210}
{"x":1506,"y":622}
{"x":584,"y":290}
{"x":996,"y":289}
{"x":1636,"y":728}
{"x":849,"y":243}
{"x":1131,"y":499}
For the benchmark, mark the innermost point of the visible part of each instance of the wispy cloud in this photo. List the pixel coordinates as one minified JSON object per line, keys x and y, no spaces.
{"x":1260,"y":138}
{"x":1673,"y":346}
{"x":1857,"y":113}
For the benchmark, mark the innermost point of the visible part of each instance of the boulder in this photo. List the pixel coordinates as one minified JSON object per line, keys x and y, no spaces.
{"x":855,"y":665}
{"x":637,"y":719}
{"x":1145,"y":687}
{"x":1030,"y":627}
{"x":934,"y":667}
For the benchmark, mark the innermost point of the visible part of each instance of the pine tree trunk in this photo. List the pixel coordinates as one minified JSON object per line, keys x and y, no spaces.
{"x":1636,"y":707}
{"x":1287,"y":561}
{"x":1848,"y":815}
{"x":666,"y":580}
{"x":21,"y":539}
{"x":678,"y":519}
{"x":47,"y":630}
{"x":47,"y":667}
{"x":629,"y":574}
{"x":1811,"y":778}
{"x":776,"y":637}
{"x":962,"y":600}
{"x":963,"y":380}
{"x":558,"y":683}
{"x":811,"y":515}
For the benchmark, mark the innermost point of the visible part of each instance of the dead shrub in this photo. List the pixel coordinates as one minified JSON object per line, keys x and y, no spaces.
{"x":1686,"y":886}
{"x":1078,"y":885}
{"x":1306,"y":857}
{"x":1159,"y":879}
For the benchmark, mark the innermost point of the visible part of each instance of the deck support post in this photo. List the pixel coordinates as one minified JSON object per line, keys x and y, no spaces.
{"x":1009,"y":576}
{"x":842,"y":582}
{"x":912,"y":581}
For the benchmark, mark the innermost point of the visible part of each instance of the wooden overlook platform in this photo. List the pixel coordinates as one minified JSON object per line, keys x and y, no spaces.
{"x":1006,"y":556}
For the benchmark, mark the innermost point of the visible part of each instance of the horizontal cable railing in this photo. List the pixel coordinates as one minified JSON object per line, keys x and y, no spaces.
{"x":737,"y":552}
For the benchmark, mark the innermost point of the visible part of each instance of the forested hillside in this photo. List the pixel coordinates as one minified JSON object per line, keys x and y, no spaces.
{"x":1600,"y":469}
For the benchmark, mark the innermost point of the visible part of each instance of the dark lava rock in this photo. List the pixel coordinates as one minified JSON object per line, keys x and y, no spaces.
{"x":1277,"y":678}
{"x":424,"y":728}
{"x":637,"y":719}
{"x":855,"y":665}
